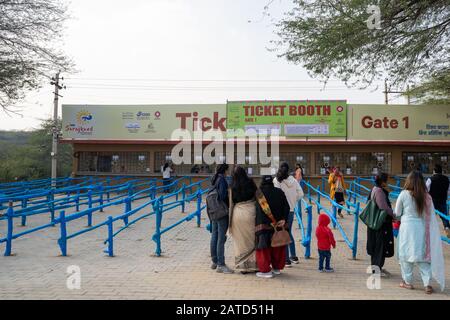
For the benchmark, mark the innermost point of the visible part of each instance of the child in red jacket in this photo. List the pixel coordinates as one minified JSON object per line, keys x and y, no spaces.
{"x":325,"y":240}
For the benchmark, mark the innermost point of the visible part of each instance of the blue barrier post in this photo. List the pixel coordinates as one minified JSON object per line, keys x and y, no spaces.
{"x":323,"y":183}
{"x":77,"y":201}
{"x":334,"y":216}
{"x":127,"y":209}
{"x":308,"y":232}
{"x":24,"y":217}
{"x":199,"y":208}
{"x":355,"y":233}
{"x":62,"y":242}
{"x":101,"y":197}
{"x":130,"y":189}
{"x":190,"y":183}
{"x":50,"y":199}
{"x":318,"y":200}
{"x":153,"y":193}
{"x":9,"y":235}
{"x":89,"y":215}
{"x":309,"y":195}
{"x":157,"y":235}
{"x":183,"y":198}
{"x":110,"y":237}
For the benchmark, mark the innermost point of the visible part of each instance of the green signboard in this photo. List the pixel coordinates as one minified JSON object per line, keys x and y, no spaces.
{"x":304,"y":118}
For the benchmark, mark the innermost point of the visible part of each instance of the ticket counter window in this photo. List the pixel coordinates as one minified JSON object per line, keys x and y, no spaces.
{"x":425,"y":161}
{"x":353,"y":163}
{"x":117,"y":162}
{"x":292,"y":158}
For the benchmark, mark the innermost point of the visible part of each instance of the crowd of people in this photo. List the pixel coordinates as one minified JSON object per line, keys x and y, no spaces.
{"x":260,"y":219}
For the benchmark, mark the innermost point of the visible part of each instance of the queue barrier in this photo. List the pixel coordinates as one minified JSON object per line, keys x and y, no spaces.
{"x":355,"y":186}
{"x":126,"y":198}
{"x":353,"y":245}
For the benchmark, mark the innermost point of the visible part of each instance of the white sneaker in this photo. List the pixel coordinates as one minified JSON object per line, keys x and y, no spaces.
{"x":264,"y":274}
{"x":276,"y":272}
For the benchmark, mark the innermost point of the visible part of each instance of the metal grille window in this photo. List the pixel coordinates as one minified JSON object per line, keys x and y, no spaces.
{"x":114,"y":162}
{"x":292,"y":158}
{"x":354,"y":163}
{"x":425,"y":161}
{"x":184,"y":168}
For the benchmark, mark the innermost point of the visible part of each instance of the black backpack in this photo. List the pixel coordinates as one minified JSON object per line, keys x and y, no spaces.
{"x":215,"y":207}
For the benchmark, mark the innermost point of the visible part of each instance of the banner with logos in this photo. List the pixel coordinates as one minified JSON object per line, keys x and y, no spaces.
{"x":399,"y":122}
{"x":304,"y":118}
{"x":139,"y":122}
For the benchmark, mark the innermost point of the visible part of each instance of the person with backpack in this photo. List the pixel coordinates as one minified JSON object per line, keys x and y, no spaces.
{"x":218,"y":212}
{"x":438,"y":186}
{"x":294,"y":193}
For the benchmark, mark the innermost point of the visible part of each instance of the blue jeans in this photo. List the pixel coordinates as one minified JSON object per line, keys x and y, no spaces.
{"x":218,"y":237}
{"x":324,"y":255}
{"x":291,"y":247}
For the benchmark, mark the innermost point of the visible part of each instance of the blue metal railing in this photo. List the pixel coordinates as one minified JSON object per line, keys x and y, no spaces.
{"x":305,"y":232}
{"x":355,"y":186}
{"x":353,"y":245}
{"x":127,"y":197}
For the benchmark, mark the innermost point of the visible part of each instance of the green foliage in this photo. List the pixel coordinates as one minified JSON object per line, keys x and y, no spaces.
{"x":30,"y":34}
{"x":331,"y":38}
{"x":434,"y":91}
{"x":31,"y":160}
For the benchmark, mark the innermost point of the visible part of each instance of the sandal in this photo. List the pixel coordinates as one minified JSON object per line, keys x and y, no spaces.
{"x":403,"y":284}
{"x":428,"y":289}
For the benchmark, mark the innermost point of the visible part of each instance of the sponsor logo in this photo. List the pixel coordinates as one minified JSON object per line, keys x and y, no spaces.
{"x":84,"y":117}
{"x":83,"y":125}
{"x":150,"y":128}
{"x":157,"y":115}
{"x":127,"y":115}
{"x":143,"y":115}
{"x":340,"y":109}
{"x":134,"y":125}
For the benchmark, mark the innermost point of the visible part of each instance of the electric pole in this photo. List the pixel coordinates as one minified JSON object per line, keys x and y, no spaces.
{"x":387,"y":91}
{"x":55,"y":129}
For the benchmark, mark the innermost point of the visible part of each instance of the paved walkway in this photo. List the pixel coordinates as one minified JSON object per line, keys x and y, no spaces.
{"x":37,"y":271}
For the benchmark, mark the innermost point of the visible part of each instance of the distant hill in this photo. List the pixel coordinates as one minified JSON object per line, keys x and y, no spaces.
{"x":14,"y":137}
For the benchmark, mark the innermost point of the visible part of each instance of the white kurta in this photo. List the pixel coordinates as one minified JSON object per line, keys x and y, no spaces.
{"x":411,"y":236}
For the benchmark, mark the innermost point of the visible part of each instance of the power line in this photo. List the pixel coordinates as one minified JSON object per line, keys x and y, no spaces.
{"x":209,"y":88}
{"x":197,"y":80}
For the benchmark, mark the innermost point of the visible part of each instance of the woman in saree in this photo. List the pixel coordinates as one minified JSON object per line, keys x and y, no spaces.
{"x":242,"y":220}
{"x":419,"y":241}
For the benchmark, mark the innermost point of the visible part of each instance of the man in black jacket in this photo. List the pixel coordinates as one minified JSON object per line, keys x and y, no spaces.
{"x":438,"y":186}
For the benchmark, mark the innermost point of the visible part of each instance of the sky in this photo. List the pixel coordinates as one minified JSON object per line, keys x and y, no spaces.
{"x":178,"y":51}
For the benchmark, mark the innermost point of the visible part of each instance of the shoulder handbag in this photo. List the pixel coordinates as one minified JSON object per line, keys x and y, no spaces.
{"x":280,"y":237}
{"x":372,"y":216}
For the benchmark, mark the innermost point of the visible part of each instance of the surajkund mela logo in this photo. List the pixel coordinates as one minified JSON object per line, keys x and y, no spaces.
{"x":84,"y":117}
{"x":83,"y":125}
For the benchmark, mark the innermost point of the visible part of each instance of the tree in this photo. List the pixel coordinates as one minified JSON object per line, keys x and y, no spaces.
{"x":31,"y":160}
{"x":340,"y":39}
{"x":434,"y":90}
{"x":29,"y":33}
